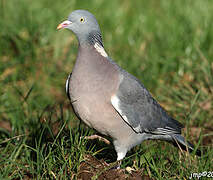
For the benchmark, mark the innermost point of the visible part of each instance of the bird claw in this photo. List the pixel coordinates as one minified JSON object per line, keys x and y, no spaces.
{"x":95,"y":136}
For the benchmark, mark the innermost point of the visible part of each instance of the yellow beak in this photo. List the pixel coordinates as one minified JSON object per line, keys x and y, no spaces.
{"x":64,"y":24}
{"x":60,"y":26}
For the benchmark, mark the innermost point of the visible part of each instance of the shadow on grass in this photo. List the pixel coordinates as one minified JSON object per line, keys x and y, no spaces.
{"x":89,"y":158}
{"x":53,"y":144}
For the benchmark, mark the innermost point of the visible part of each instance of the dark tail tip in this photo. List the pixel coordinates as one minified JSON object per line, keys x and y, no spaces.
{"x":179,"y":141}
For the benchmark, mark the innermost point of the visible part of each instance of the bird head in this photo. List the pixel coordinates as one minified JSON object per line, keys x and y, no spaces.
{"x":84,"y":25}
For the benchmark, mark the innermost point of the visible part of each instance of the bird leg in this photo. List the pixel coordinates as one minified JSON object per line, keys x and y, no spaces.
{"x":95,"y":136}
{"x":118,"y":166}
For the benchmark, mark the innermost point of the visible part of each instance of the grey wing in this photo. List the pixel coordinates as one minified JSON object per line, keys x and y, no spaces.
{"x":140,"y":111}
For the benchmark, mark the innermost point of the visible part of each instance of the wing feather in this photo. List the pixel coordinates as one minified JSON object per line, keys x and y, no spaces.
{"x":68,"y":86}
{"x":140,"y":110}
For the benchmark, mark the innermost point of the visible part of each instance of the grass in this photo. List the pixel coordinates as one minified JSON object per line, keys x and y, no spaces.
{"x":168,"y":45}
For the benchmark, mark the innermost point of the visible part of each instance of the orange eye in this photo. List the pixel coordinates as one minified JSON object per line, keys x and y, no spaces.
{"x":82,"y":19}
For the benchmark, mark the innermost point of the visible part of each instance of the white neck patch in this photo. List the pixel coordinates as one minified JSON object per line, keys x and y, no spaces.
{"x":100,"y":49}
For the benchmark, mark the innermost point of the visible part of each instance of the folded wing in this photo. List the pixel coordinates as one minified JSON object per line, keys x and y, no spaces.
{"x":139,"y":110}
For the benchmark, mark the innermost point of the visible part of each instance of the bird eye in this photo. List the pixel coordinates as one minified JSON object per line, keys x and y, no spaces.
{"x":82,"y":19}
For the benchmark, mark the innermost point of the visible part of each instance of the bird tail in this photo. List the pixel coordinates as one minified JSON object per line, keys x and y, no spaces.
{"x":183,"y":144}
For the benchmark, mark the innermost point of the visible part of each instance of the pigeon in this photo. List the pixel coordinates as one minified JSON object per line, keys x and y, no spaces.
{"x":111,"y":100}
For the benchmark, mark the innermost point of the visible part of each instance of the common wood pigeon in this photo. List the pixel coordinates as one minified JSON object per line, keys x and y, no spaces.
{"x":109,"y":99}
